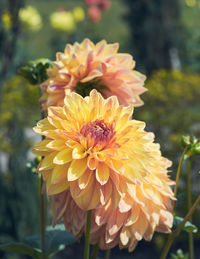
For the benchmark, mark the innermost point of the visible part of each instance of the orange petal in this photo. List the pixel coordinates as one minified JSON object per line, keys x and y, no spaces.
{"x":84,"y":179}
{"x":102,"y":173}
{"x":92,"y":163}
{"x":89,"y":197}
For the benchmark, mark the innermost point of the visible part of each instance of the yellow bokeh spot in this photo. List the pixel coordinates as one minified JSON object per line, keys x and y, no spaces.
{"x":79,"y":14}
{"x":6,"y":20}
{"x":30,"y":18}
{"x":63,"y":21}
{"x":190,"y":3}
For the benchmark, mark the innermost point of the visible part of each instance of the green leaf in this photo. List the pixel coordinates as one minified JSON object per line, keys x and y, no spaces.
{"x":179,"y":255}
{"x":35,"y":71}
{"x":20,"y":248}
{"x":55,"y":239}
{"x":188,"y":227}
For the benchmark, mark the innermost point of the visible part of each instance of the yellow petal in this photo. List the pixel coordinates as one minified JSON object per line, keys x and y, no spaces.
{"x":57,"y":144}
{"x":78,"y":152}
{"x":102,"y":173}
{"x":47,"y":162}
{"x":57,"y":188}
{"x":63,"y":157}
{"x":59,"y":173}
{"x":76,"y":169}
{"x":124,"y":236}
{"x":42,"y":146}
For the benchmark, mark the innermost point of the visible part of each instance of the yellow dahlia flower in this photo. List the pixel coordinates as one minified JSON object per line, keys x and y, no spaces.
{"x":93,"y":149}
{"x":86,"y":66}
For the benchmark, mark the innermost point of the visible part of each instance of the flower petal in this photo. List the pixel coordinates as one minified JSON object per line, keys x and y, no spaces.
{"x":63,"y":157}
{"x":76,"y":169}
{"x":102,"y":173}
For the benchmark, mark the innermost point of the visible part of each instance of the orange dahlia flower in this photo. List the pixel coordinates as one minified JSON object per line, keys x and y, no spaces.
{"x":86,"y":66}
{"x":95,"y":150}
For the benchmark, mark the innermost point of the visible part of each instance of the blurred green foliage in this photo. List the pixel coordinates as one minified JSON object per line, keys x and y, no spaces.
{"x":18,"y":185}
{"x":19,"y":100}
{"x":179,"y":255}
{"x":171,"y":108}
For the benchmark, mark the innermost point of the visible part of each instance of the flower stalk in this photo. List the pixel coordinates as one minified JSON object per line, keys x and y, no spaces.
{"x":41,"y":197}
{"x":189,"y":203}
{"x":42,"y":215}
{"x":108,"y":254}
{"x":87,"y":236}
{"x":178,"y":176}
{"x":95,"y":251}
{"x":173,"y":235}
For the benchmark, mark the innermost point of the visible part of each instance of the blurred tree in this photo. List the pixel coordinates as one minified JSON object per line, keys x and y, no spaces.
{"x":156,"y":32}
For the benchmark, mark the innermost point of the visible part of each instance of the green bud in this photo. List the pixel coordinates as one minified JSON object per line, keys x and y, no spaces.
{"x":35,"y":71}
{"x":192,"y":145}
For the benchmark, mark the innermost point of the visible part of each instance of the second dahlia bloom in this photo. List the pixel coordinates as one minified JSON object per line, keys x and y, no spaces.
{"x":86,"y":66}
{"x":95,"y":150}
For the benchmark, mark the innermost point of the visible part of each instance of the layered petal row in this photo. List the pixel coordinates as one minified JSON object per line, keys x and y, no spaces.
{"x":85,"y":66}
{"x":94,"y":149}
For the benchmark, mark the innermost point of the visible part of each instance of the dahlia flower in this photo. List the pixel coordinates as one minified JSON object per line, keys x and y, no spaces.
{"x":145,"y":208}
{"x":86,"y":66}
{"x":95,"y":150}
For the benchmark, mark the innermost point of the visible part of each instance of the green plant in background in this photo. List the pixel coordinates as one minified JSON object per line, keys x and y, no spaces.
{"x":18,"y":205}
{"x":172,"y":107}
{"x":179,"y":255}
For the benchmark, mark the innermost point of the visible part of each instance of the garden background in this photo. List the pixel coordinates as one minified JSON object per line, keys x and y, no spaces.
{"x":164,"y":39}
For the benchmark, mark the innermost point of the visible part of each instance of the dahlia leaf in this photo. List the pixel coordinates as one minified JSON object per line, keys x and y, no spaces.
{"x":188,"y":227}
{"x":55,"y":239}
{"x":20,"y":248}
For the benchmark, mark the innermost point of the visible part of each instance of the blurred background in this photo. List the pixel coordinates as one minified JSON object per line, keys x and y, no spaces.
{"x":164,"y":39}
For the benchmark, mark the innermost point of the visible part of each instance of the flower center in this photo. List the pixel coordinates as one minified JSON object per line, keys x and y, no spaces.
{"x":98,"y":133}
{"x":84,"y":89}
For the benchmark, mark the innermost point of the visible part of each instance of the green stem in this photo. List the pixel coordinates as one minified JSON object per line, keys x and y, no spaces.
{"x":42,"y":199}
{"x":95,"y":251}
{"x":178,"y":176}
{"x":42,"y":215}
{"x":173,"y":235}
{"x":108,"y":252}
{"x":87,"y":236}
{"x":189,"y":201}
